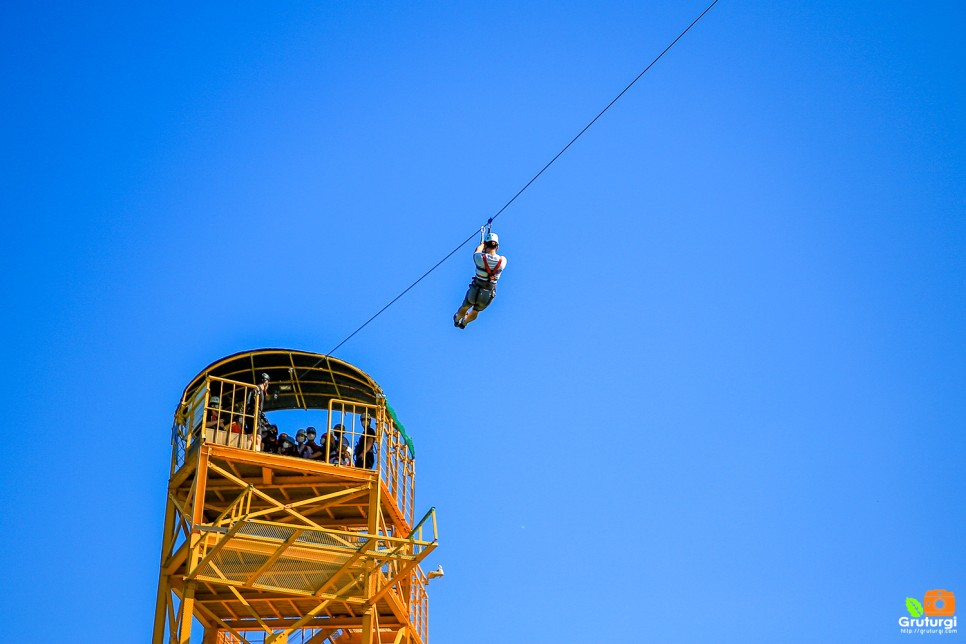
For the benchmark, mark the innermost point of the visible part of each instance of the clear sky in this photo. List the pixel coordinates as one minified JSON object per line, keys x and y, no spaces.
{"x":721,"y":396}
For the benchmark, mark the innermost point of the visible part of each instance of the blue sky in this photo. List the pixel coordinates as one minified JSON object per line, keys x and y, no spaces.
{"x":720,"y":396}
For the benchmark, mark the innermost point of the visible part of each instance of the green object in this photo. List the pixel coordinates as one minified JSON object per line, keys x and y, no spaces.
{"x":402,"y":430}
{"x":913,"y":606}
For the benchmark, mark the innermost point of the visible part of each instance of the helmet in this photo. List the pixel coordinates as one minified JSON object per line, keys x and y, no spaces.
{"x":491,"y":237}
{"x":300,"y":433}
{"x":215,"y":402}
{"x":265,"y":378}
{"x":310,"y":431}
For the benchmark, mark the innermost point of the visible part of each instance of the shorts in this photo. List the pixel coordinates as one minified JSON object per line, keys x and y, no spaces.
{"x":478,"y":296}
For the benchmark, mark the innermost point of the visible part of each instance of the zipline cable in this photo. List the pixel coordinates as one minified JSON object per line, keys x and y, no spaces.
{"x":535,"y":177}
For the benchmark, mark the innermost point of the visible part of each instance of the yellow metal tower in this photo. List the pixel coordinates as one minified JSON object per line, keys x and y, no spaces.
{"x":275,"y":549}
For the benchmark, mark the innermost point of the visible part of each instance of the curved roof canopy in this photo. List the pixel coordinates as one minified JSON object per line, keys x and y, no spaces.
{"x":299,"y":379}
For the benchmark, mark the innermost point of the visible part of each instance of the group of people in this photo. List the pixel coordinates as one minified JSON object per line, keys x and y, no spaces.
{"x":332,"y":447}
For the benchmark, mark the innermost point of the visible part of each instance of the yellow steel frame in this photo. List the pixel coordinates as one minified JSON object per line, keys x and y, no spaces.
{"x":359,"y":568}
{"x":270,"y":545}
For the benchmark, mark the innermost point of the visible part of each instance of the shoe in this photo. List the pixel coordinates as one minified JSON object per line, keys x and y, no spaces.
{"x":456,"y":321}
{"x":461,"y":324}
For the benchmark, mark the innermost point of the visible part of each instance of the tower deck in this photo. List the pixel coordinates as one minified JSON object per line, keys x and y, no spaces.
{"x":259,"y":546}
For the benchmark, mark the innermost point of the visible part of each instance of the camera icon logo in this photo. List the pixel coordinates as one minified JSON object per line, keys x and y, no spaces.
{"x":939,"y":603}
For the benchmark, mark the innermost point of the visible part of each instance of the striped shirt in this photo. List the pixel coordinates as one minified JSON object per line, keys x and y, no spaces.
{"x":496,"y":263}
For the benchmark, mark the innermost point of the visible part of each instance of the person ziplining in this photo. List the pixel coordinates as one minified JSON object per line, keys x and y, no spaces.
{"x":482,"y":290}
{"x":488,"y":268}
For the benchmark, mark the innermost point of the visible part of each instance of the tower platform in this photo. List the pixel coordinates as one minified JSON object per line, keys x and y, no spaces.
{"x":266,"y":547}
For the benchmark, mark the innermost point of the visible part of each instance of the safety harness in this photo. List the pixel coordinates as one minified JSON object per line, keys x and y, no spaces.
{"x":492,"y":273}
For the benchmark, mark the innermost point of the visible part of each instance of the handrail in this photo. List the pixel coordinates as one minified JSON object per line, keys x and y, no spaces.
{"x":419,"y":526}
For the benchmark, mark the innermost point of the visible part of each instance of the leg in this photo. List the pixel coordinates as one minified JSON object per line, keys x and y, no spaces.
{"x":482,"y":300}
{"x":468,"y":302}
{"x":458,"y":317}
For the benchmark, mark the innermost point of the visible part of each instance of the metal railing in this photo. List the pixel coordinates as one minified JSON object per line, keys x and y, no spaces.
{"x":381,"y":447}
{"x":221,"y":411}
{"x":362,"y":436}
{"x":419,"y":605}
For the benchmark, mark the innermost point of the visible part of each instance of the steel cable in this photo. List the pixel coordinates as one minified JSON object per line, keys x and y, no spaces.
{"x":535,"y":177}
